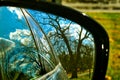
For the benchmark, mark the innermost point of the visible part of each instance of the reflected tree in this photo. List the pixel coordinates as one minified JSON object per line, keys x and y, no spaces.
{"x":72,"y":43}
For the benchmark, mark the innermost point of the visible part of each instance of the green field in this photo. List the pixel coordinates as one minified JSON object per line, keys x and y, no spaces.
{"x":111,"y":23}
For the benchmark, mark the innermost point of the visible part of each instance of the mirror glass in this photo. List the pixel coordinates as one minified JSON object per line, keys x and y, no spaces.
{"x":35,"y":45}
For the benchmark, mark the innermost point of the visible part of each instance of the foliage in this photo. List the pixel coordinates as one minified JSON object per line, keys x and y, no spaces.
{"x":88,"y":1}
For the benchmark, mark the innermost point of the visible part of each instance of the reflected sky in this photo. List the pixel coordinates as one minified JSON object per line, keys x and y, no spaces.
{"x":11,"y":19}
{"x":18,"y":20}
{"x":14,"y":18}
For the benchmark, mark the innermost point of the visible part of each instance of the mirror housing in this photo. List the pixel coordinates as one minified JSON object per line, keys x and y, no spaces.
{"x":100,"y":36}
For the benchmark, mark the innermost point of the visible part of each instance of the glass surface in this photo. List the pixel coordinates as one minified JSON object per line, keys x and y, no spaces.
{"x":31,"y":42}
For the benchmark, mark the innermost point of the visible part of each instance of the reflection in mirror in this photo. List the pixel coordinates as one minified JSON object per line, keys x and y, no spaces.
{"x":31,"y":42}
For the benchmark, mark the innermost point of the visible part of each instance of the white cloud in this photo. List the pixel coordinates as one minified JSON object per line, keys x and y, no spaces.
{"x":74,"y":30}
{"x":23,"y":36}
{"x":16,"y":11}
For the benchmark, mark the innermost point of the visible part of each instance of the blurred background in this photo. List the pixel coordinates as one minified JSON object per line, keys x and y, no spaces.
{"x":107,"y":13}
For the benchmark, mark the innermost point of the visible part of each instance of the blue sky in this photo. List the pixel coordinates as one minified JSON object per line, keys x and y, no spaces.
{"x":9,"y":22}
{"x":12,"y":19}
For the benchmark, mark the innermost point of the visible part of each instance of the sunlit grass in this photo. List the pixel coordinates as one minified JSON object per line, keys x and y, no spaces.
{"x":82,"y":76}
{"x":85,"y":77}
{"x":111,"y":23}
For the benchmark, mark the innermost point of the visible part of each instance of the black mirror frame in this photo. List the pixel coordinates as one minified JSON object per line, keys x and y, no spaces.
{"x":100,"y":36}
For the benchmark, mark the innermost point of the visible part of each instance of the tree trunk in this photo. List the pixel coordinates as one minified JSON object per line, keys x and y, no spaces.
{"x":73,"y":67}
{"x":74,"y":73}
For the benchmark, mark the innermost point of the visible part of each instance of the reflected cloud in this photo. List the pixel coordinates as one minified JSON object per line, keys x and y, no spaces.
{"x":16,"y":11}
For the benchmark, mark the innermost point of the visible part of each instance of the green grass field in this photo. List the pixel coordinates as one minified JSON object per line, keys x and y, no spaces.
{"x":111,"y":23}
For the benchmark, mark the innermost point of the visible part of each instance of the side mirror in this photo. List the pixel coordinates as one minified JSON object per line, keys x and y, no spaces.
{"x":45,"y":41}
